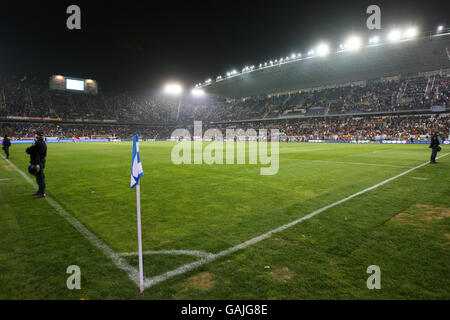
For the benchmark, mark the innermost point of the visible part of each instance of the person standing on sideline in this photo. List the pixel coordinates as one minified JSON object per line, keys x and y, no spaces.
{"x":38,"y":154}
{"x":435,"y":148}
{"x":6,"y":144}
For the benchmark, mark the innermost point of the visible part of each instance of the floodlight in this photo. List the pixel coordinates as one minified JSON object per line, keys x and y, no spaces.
{"x":197,"y":92}
{"x":374,"y":39}
{"x":410,"y":33}
{"x":293,"y":56}
{"x":173,"y":89}
{"x":394,"y":35}
{"x":353,"y":43}
{"x":322,"y":49}
{"x":440,"y":28}
{"x":310,"y":52}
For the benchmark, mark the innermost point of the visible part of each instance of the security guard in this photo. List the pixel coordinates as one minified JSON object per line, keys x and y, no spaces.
{"x":38,"y":154}
{"x":435,"y":148}
{"x":6,"y":144}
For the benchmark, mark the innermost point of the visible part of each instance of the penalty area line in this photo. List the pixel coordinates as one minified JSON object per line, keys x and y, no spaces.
{"x":193,"y":265}
{"x":93,"y":239}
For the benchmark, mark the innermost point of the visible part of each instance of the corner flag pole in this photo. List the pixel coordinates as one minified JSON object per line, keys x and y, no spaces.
{"x":138,"y":206}
{"x":136,"y":173}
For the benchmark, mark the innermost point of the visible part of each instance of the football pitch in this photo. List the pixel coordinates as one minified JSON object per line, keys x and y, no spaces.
{"x":225,"y":231}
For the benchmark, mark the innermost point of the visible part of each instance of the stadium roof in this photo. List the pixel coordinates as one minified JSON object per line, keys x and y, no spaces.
{"x":403,"y":57}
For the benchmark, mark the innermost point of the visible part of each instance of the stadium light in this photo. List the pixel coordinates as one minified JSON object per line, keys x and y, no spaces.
{"x":197,"y":92}
{"x":440,"y":28}
{"x":410,"y":33}
{"x":293,"y":56}
{"x":374,"y":39}
{"x":323,"y":49}
{"x":394,"y":35}
{"x":353,"y":43}
{"x":310,"y":52}
{"x":174,"y":89}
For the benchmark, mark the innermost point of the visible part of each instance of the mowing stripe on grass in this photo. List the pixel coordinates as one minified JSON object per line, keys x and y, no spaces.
{"x":190,"y":266}
{"x":351,"y":163}
{"x":195,"y":253}
{"x":96,"y":242}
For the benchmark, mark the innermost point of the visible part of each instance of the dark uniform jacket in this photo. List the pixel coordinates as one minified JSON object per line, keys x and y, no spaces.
{"x":6,"y":143}
{"x":38,"y":153}
{"x":434,"y":143}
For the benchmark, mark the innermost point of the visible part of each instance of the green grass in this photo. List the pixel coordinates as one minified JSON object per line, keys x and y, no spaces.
{"x":214,"y":207}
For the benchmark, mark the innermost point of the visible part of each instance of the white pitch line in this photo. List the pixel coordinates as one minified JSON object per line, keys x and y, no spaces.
{"x":96,"y":242}
{"x":6,"y":179}
{"x":190,"y":266}
{"x":195,"y":253}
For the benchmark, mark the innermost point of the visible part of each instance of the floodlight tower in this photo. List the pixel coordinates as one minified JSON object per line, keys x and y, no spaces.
{"x":175,"y":90}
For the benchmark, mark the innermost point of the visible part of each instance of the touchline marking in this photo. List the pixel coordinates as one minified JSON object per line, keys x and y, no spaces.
{"x":190,"y":266}
{"x":5,"y":179}
{"x":196,"y":253}
{"x":120,"y":262}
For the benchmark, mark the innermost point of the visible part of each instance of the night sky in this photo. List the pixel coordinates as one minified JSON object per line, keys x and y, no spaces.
{"x":137,"y":46}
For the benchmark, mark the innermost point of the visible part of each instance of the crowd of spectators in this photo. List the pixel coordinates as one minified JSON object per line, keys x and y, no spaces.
{"x":157,"y":116}
{"x":336,"y":128}
{"x":23,"y":98}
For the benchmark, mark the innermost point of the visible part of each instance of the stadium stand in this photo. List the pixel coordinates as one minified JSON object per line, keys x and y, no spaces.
{"x":386,"y":91}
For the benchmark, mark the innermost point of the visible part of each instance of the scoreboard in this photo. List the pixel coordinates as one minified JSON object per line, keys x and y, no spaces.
{"x":58,"y":82}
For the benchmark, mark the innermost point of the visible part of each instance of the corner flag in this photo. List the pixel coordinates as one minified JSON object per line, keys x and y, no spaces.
{"x":136,"y":166}
{"x":136,"y":173}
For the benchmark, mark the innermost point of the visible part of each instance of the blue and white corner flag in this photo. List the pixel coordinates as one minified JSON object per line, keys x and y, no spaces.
{"x":136,"y":166}
{"x":136,"y":173}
